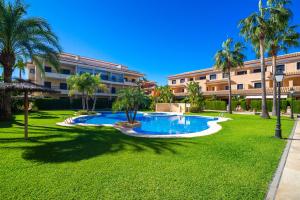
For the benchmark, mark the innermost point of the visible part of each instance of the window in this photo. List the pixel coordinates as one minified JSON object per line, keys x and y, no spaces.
{"x":202,"y":77}
{"x":257,"y":85}
{"x":241,"y":73}
{"x":133,"y":80}
{"x":65,"y":71}
{"x":240,"y":86}
{"x":126,"y":79}
{"x":258,"y":70}
{"x":213,"y":76}
{"x":226,"y":87}
{"x":47,"y":84}
{"x":113,"y":90}
{"x":173,"y":82}
{"x":280,"y":68}
{"x":63,"y":86}
{"x":298,"y":66}
{"x":191,"y":79}
{"x":32,"y":71}
{"x":225,"y":75}
{"x":48,"y":69}
{"x":182,"y":80}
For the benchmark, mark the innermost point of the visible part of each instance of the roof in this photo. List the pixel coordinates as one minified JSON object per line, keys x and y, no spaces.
{"x":251,"y":63}
{"x":67,"y":57}
{"x":24,"y":86}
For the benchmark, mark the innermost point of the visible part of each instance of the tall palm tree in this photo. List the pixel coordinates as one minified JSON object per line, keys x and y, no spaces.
{"x":228,"y":58}
{"x":21,"y":35}
{"x":281,"y":37}
{"x":20,"y":65}
{"x":255,"y":29}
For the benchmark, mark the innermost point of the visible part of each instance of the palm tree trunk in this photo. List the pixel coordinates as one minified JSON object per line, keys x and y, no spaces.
{"x":274,"y":58}
{"x":20,"y":74}
{"x":5,"y":110}
{"x":83,"y":101}
{"x":229,"y":97}
{"x":264,"y":110}
{"x":94,"y":103}
{"x":87,"y":102}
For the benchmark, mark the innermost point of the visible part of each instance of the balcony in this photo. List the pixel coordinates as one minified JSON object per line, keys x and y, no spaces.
{"x":56,"y":75}
{"x":66,"y":92}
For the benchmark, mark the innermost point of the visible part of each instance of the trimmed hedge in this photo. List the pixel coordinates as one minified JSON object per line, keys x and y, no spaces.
{"x":296,"y":106}
{"x":215,"y":105}
{"x":66,"y":103}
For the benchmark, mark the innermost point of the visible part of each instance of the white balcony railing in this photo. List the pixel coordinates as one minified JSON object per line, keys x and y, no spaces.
{"x":56,"y":75}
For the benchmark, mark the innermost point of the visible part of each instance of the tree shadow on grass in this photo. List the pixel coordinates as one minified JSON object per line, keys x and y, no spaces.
{"x":80,"y":143}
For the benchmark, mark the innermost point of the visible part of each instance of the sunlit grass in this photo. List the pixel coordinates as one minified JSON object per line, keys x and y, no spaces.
{"x":101,"y":163}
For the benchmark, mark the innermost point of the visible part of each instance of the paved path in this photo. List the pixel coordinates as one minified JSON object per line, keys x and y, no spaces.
{"x":289,"y":185}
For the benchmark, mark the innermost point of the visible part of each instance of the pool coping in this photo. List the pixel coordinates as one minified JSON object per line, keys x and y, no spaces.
{"x":213,"y":127}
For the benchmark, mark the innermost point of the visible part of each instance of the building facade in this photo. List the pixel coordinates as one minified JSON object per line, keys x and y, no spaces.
{"x":115,"y":76}
{"x":246,"y":80}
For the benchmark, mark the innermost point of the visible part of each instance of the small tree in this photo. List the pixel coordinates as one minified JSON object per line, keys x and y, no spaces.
{"x":94,"y":87}
{"x":165,"y":94}
{"x":80,"y":83}
{"x":130,"y":100}
{"x":195,"y":97}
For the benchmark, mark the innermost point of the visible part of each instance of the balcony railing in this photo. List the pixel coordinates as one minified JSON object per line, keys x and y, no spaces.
{"x":247,"y":92}
{"x":56,"y":75}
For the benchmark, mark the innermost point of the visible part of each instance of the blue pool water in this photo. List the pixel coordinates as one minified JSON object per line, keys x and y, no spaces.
{"x":153,"y":123}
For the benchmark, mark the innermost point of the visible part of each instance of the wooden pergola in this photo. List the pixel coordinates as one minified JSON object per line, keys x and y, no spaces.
{"x":25,"y":87}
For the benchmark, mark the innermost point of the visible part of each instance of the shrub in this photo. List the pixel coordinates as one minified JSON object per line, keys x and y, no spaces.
{"x":244,"y":105}
{"x":255,"y":105}
{"x":234,"y":104}
{"x":67,"y":103}
{"x":215,"y":105}
{"x":85,"y":112}
{"x":296,"y":106}
{"x":195,"y":109}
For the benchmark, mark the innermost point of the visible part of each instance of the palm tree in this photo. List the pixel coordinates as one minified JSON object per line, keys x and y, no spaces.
{"x":21,"y":66}
{"x":94,"y":87}
{"x":165,"y":94}
{"x":281,"y":37}
{"x":130,"y":100}
{"x":228,"y":58}
{"x":80,"y":83}
{"x":255,"y":29}
{"x":21,"y":35}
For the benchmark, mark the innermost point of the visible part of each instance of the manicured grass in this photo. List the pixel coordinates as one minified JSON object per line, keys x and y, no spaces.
{"x":101,"y":163}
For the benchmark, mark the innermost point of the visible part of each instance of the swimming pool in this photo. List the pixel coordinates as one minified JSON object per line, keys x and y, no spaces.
{"x":157,"y":124}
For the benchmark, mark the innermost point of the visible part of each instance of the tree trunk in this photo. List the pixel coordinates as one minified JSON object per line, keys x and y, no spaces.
{"x":94,"y":103}
{"x":127,"y":115}
{"x":229,"y":97}
{"x":264,"y":110}
{"x":274,"y":58}
{"x":20,"y":74}
{"x":87,"y":102}
{"x":5,"y":110}
{"x":83,"y":101}
{"x":26,"y":105}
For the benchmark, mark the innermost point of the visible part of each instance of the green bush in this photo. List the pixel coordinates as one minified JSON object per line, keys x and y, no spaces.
{"x":195,"y":109}
{"x":296,"y":106}
{"x":215,"y":105}
{"x":66,"y":103}
{"x":85,"y":112}
{"x":244,"y":105}
{"x":234,"y":104}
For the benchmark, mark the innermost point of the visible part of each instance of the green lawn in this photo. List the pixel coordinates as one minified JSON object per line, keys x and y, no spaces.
{"x":101,"y":163}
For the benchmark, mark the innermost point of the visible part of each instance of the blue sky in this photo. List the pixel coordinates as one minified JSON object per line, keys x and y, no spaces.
{"x":156,"y":37}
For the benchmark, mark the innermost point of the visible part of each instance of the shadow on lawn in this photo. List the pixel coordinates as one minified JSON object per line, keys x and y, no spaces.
{"x":80,"y":143}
